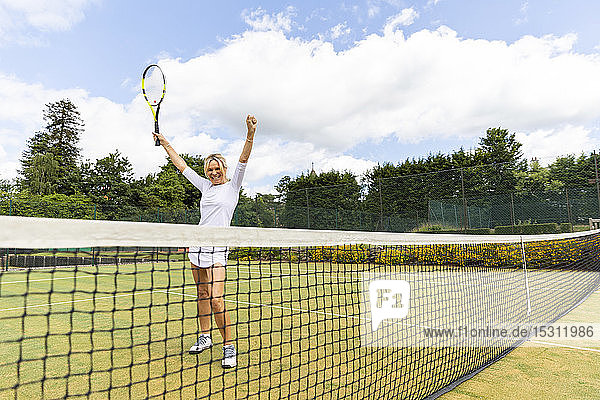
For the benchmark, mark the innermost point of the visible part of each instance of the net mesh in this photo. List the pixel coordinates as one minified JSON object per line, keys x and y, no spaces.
{"x":117,"y":320}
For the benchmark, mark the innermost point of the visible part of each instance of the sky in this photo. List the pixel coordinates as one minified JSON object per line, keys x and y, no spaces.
{"x":342,"y":85}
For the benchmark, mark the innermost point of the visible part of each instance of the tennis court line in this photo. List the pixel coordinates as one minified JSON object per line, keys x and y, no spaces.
{"x":296,"y":309}
{"x":76,"y":301}
{"x":52,"y":279}
{"x":307,"y":271}
{"x":336,"y":275}
{"x":252,"y":304}
{"x":271,"y":306}
{"x":566,"y":346}
{"x":331,"y":276}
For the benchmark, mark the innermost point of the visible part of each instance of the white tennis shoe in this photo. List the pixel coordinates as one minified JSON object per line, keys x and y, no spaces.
{"x":229,"y":356}
{"x":202,"y":344}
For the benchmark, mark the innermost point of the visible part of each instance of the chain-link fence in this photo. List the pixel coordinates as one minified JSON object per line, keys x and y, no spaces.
{"x":482,"y":197}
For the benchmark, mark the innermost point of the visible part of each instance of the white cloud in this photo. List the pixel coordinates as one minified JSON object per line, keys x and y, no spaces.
{"x":18,"y":17}
{"x":374,"y":6}
{"x":315,"y":104}
{"x":405,"y":18}
{"x":259,"y":20}
{"x":547,"y":144}
{"x":339,"y":30}
{"x":522,"y":19}
{"x":373,"y":9}
{"x":357,"y":166}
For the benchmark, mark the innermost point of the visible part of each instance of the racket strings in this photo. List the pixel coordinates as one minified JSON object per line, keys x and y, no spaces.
{"x":154,"y":85}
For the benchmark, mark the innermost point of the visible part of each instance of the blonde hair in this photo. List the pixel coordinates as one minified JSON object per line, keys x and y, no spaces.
{"x":219,"y":159}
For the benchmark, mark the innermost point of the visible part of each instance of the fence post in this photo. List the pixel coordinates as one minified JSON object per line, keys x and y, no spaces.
{"x":360,"y":219}
{"x":512,"y":212}
{"x":307,"y":211}
{"x":465,"y":221}
{"x":597,"y":180}
{"x":569,"y":215}
{"x":380,"y":206}
{"x":9,"y":206}
{"x":455,"y":215}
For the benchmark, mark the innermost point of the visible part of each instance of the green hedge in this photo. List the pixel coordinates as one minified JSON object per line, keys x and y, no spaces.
{"x":565,"y":227}
{"x":476,"y":231}
{"x":532,"y":229}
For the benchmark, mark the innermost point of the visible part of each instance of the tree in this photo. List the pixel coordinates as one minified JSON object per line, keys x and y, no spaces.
{"x":169,"y":188}
{"x":44,"y":174}
{"x":500,"y":148}
{"x":573,"y":172}
{"x":59,"y":138}
{"x":8,"y":186}
{"x":315,"y":200}
{"x":108,"y":179}
{"x":260,"y":211}
{"x":535,"y":180}
{"x":398,"y":194}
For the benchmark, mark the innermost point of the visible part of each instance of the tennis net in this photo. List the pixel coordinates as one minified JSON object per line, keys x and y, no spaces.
{"x":97,"y":309}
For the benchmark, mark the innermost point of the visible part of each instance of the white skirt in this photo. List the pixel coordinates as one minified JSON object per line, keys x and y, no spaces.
{"x":205,"y":257}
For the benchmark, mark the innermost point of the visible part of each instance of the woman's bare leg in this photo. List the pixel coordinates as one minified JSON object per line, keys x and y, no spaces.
{"x":217,"y":302}
{"x":203,"y":278}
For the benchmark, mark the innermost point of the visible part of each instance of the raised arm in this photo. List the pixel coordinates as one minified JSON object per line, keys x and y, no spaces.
{"x":178,"y":161}
{"x":251,"y":124}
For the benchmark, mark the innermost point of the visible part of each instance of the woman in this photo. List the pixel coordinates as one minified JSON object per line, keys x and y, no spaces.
{"x":219,"y":199}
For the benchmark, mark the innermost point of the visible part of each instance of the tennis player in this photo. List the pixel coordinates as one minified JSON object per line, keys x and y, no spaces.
{"x":219,"y":199}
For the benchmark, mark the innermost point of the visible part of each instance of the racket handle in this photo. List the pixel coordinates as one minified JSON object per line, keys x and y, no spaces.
{"x":156,"y":140}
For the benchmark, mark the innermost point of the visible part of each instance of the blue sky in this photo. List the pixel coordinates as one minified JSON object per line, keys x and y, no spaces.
{"x":343,"y":84}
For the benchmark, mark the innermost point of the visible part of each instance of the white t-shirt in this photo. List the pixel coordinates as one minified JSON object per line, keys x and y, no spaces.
{"x":218,"y":202}
{"x":217,"y":205}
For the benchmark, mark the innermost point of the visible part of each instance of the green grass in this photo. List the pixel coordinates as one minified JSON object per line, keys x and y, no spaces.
{"x":124,"y":332}
{"x":130,"y":333}
{"x":541,"y":372}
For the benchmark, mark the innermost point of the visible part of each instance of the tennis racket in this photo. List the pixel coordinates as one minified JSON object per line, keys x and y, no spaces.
{"x":153,"y":89}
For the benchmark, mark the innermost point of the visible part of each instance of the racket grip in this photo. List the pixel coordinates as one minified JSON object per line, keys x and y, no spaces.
{"x":156,"y":140}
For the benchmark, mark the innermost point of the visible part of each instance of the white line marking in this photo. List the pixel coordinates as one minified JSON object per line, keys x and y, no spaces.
{"x":271,"y":305}
{"x":568,"y":347}
{"x":52,"y":279}
{"x":75,"y":301}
